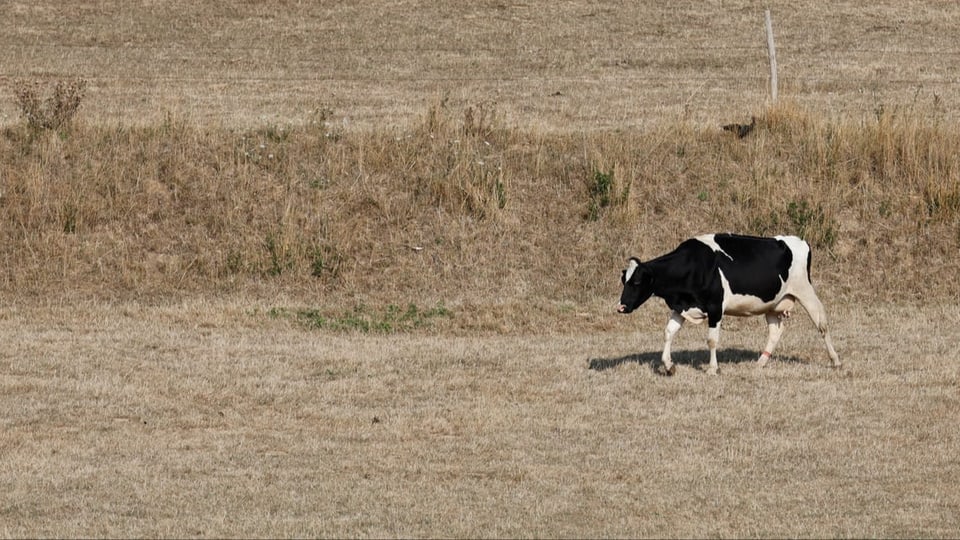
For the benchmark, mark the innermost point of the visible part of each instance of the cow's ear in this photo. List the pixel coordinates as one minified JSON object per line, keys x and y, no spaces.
{"x":633,"y":264}
{"x":636,"y":272}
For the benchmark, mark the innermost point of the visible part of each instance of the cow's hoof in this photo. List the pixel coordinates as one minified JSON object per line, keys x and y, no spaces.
{"x":667,"y":371}
{"x":713,"y":371}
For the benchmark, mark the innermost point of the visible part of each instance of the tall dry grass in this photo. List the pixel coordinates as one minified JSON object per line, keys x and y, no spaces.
{"x":461,"y":207}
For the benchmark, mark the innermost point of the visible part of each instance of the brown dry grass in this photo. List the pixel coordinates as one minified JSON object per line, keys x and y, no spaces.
{"x":213,"y":419}
{"x":237,"y":172}
{"x":414,"y":215}
{"x":614,"y":66}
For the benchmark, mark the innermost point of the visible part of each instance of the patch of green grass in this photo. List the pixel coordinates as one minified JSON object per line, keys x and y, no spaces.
{"x":601,"y":189}
{"x":389,"y":320}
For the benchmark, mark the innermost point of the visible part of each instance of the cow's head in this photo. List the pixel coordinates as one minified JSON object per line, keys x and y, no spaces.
{"x":637,"y":286}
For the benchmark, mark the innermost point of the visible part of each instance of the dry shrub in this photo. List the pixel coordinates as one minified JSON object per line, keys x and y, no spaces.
{"x":54,"y":112}
{"x":897,"y":154}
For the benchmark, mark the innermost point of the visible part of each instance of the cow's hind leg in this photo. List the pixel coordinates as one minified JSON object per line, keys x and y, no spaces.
{"x":775,"y":330}
{"x":810,"y":302}
{"x":713,"y":339}
{"x":673,"y":326}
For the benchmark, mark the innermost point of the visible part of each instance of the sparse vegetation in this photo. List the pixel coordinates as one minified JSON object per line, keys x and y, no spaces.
{"x":391,"y":319}
{"x":801,"y":219}
{"x":324,"y":261}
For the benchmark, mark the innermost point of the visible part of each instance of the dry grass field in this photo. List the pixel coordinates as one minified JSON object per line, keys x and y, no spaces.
{"x":549,"y":65}
{"x":214,"y":419}
{"x":348,"y":269}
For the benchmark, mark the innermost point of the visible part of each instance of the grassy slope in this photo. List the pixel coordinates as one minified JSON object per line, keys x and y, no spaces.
{"x":462,"y":210}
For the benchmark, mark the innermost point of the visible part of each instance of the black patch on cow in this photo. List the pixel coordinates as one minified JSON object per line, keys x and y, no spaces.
{"x":753,"y":258}
{"x":695,"y":283}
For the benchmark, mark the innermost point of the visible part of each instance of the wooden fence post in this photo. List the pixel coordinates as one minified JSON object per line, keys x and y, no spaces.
{"x":772,"y":51}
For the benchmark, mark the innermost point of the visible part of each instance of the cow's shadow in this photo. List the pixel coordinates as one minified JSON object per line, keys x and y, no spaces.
{"x":696,"y":358}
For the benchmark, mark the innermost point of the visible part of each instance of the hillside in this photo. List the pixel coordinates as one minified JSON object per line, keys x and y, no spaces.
{"x":462,"y":209}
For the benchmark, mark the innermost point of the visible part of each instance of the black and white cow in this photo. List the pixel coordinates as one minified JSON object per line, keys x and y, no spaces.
{"x":714,"y":275}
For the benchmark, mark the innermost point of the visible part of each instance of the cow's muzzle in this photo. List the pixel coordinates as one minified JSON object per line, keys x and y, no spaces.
{"x":623,"y":309}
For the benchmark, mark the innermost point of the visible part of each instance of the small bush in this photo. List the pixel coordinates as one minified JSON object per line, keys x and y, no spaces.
{"x":811,"y":223}
{"x":54,"y":112}
{"x":277,"y":250}
{"x":600,"y":191}
{"x":233,"y":263}
{"x":501,"y":192}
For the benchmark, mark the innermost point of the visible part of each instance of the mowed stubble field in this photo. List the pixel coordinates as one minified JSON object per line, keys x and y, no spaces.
{"x":568,"y":66}
{"x":212,"y":419}
{"x":201,"y":414}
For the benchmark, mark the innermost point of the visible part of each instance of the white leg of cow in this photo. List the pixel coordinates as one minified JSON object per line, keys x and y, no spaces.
{"x":810,"y":302}
{"x":673,"y":326}
{"x":713,"y":338}
{"x":775,"y":328}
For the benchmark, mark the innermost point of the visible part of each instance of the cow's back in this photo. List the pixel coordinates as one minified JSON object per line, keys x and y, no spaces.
{"x":752,"y":265}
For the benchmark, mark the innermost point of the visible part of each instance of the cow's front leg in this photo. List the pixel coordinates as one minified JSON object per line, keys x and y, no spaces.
{"x":673,"y":326}
{"x":775,"y":327}
{"x":713,"y":337}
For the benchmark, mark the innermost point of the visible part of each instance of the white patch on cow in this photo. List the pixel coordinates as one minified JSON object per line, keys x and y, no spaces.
{"x":713,"y":339}
{"x":797,"y":245}
{"x":694,"y":315}
{"x":631,"y":268}
{"x":711,"y":242}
